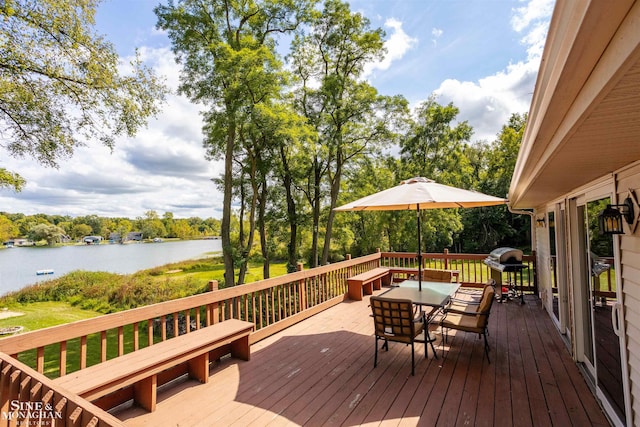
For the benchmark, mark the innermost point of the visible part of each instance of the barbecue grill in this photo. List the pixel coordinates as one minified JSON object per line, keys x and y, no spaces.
{"x":507,"y":260}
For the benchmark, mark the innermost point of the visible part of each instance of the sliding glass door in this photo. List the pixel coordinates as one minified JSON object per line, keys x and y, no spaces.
{"x":558,"y":266}
{"x":598,"y":308}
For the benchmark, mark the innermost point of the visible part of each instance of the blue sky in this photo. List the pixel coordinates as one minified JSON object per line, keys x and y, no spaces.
{"x":481,"y":55}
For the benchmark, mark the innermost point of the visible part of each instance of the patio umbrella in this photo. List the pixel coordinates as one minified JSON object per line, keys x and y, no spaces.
{"x":421,"y":193}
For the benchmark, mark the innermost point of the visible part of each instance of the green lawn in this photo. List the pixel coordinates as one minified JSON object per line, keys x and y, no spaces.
{"x":40,"y":315}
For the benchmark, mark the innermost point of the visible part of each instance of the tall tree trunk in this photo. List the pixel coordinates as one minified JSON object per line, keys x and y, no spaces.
{"x":262,"y":206}
{"x":246,"y":248}
{"x":225,"y":226}
{"x":292,"y":216}
{"x":335,"y":190}
{"x":315,"y":195}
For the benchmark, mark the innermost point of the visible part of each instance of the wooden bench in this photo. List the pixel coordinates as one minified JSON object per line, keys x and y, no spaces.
{"x":399,"y":274}
{"x":368,"y":281}
{"x":155,"y":365}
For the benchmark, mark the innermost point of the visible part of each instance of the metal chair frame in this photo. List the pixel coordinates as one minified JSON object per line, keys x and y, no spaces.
{"x":397,"y":320}
{"x":464,"y":322}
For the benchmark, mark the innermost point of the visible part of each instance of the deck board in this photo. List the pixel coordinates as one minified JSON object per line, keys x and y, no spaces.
{"x":320,"y":372}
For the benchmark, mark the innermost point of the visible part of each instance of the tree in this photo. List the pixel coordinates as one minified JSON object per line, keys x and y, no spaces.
{"x":227,"y":50}
{"x":94,"y":222}
{"x":60,"y":86}
{"x":7,"y":229}
{"x":351,"y":118}
{"x":50,"y":233}
{"x":435,"y":148}
{"x":487,"y":228}
{"x":182,"y":229}
{"x":80,"y":230}
{"x":122,"y":228}
{"x":151,"y":225}
{"x":169,"y":224}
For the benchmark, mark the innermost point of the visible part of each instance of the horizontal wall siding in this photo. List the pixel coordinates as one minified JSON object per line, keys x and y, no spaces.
{"x":630,"y":264}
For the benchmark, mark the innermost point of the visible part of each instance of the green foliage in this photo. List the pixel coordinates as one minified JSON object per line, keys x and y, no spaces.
{"x":51,"y":233}
{"x":60,"y":84}
{"x":11,"y":180}
{"x":434,"y":148}
{"x":229,"y":62}
{"x":105,"y":292}
{"x":109,"y":292}
{"x":351,"y":119}
{"x":599,"y":244}
{"x":493,"y":165}
{"x":8,"y":229}
{"x":20,"y":225}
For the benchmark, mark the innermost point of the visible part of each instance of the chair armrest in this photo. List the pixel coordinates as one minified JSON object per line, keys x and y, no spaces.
{"x":467,"y":313}
{"x":465,"y":302}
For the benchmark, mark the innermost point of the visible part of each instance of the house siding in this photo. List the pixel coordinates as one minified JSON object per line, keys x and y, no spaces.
{"x":630,"y":265}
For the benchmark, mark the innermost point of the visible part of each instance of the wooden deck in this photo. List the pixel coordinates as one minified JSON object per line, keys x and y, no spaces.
{"x":320,"y":372}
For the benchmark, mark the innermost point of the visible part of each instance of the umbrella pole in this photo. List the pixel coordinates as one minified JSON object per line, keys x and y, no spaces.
{"x":419,"y":251}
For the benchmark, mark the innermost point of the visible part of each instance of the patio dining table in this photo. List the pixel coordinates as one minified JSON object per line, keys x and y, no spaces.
{"x":433,"y":294}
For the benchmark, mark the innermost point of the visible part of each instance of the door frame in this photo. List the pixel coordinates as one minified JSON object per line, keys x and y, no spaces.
{"x":576,"y":275}
{"x":562,"y":265}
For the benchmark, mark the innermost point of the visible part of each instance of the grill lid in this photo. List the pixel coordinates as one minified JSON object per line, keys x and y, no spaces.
{"x":506,"y":256}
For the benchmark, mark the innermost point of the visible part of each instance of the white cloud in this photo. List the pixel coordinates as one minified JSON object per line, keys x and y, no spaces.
{"x":532,"y":11}
{"x":436,"y":33}
{"x":397,"y":45}
{"x":488,"y":103}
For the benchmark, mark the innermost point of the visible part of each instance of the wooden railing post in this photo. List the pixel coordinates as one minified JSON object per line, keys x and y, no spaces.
{"x":302,"y":289}
{"x":215,"y":307}
{"x":446,"y":258}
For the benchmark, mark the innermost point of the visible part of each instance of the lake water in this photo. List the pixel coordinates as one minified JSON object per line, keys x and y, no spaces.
{"x":18,"y":265}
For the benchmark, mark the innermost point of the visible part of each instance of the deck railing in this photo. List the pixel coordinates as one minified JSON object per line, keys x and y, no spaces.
{"x":271,"y":304}
{"x":28,"y":398}
{"x":471,"y":267}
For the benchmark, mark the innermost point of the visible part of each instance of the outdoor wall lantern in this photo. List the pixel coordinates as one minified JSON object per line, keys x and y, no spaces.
{"x":540,"y":222}
{"x":610,"y":219}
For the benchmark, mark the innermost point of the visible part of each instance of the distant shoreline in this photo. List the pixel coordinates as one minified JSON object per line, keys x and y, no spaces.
{"x":18,"y":267}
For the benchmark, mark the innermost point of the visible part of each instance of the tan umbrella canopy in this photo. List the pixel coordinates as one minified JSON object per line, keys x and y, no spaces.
{"x":421,"y":193}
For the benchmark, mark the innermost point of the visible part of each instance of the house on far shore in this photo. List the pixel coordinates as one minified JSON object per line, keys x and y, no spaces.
{"x":134,"y":236}
{"x":18,"y":242}
{"x":92,"y":240}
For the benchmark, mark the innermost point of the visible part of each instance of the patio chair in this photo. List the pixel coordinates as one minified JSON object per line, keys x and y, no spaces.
{"x":433,"y":275}
{"x":397,"y":320}
{"x":476,"y":297}
{"x":474,"y":319}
